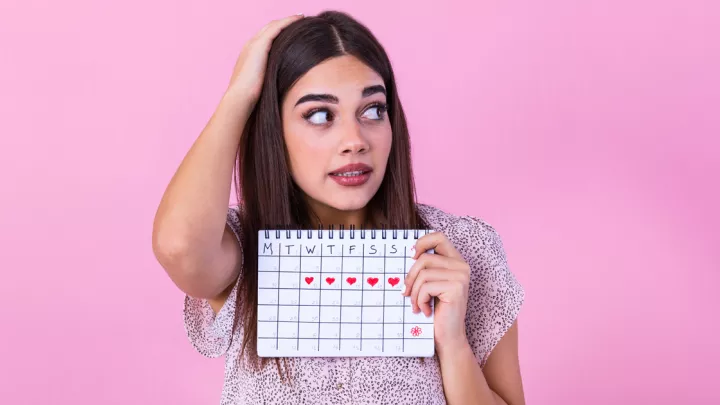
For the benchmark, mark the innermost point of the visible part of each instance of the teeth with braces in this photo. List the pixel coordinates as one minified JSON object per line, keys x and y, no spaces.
{"x":349,"y":174}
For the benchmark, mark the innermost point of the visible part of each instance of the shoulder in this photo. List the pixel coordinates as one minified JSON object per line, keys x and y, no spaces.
{"x":496,"y":295}
{"x":465,"y":231}
{"x":477,"y":240}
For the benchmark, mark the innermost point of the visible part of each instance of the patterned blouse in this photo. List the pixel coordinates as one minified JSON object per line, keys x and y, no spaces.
{"x":495,"y":299}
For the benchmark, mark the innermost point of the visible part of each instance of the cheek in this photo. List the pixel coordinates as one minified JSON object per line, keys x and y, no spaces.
{"x":384,"y":143}
{"x":306,"y":156}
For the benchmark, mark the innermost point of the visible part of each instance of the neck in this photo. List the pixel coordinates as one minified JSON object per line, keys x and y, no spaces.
{"x":327,"y":216}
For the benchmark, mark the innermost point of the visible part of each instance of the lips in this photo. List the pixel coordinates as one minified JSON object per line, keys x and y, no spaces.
{"x":353,"y":169}
{"x":354,"y":174}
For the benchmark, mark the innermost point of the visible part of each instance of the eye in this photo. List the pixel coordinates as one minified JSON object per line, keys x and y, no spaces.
{"x":377,"y":111}
{"x":318,"y":116}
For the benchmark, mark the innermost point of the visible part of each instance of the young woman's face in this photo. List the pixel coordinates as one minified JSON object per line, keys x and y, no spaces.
{"x":337,"y":133}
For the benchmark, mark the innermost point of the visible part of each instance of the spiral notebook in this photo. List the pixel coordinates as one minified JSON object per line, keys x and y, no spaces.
{"x":338,"y":293}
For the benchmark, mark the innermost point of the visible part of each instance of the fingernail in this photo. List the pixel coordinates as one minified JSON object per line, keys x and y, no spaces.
{"x":404,"y":289}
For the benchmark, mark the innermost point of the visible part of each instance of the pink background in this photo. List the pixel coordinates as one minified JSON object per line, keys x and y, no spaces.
{"x":585,"y":131}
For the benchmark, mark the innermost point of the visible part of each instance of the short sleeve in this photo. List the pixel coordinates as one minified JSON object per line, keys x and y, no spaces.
{"x":495,"y":294}
{"x":209,"y":333}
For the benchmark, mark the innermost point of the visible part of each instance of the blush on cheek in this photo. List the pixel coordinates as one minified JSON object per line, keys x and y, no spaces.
{"x":309,"y":171}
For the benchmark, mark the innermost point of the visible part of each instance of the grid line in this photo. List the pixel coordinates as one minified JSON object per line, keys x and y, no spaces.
{"x":299,"y":295}
{"x":404,"y":298}
{"x":333,"y":305}
{"x":384,"y":281}
{"x":277,"y":327}
{"x":329,"y":289}
{"x":319,"y":298}
{"x":362,"y":295}
{"x":342,"y":272}
{"x":337,"y":323}
{"x":358,"y":256}
{"x":360,"y":339}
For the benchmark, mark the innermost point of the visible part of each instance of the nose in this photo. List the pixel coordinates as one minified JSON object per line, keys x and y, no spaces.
{"x":353,"y":140}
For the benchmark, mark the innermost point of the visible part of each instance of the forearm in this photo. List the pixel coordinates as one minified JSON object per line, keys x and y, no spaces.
{"x":191,"y":217}
{"x":463,"y":379}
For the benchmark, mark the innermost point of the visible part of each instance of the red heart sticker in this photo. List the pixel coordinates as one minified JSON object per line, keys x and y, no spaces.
{"x":309,"y":279}
{"x":372,"y":281}
{"x":330,"y":280}
{"x":351,"y":280}
{"x":393,"y":281}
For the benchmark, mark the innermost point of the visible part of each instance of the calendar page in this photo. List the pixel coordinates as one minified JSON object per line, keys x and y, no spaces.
{"x":323,"y":293}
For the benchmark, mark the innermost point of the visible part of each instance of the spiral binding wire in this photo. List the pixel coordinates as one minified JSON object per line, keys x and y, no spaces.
{"x":352,"y":232}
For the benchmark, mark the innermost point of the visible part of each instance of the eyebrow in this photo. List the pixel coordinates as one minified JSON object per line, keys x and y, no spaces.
{"x":367,"y":92}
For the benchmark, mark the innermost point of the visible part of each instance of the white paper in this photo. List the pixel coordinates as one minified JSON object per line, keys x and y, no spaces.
{"x":338,"y":294}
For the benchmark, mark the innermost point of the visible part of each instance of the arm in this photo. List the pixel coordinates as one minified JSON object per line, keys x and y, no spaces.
{"x":499,"y":383}
{"x":190,"y":237}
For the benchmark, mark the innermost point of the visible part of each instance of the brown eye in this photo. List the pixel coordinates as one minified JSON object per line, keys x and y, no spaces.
{"x":377,"y":111}
{"x":318,"y":116}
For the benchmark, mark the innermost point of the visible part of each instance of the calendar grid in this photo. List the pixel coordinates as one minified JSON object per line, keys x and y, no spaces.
{"x":363,"y":312}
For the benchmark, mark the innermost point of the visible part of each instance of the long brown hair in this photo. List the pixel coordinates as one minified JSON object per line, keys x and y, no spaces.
{"x":268,"y":196}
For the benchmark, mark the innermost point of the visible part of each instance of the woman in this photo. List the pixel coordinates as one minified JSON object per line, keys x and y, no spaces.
{"x":313,"y":117}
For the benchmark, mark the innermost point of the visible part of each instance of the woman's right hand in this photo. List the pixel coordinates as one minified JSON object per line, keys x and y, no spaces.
{"x":249,"y":71}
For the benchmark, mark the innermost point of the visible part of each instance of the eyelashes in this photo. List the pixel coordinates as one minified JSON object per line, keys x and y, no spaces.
{"x":381,"y":107}
{"x":311,"y":113}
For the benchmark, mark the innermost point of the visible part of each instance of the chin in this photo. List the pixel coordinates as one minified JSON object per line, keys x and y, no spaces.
{"x":348,"y":206}
{"x":348,"y":202}
{"x":339,"y":198}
